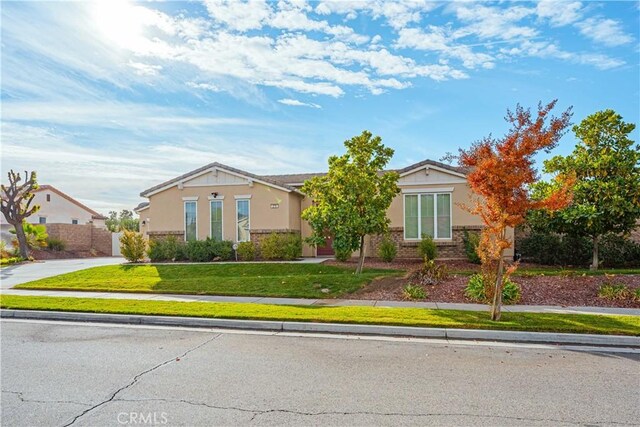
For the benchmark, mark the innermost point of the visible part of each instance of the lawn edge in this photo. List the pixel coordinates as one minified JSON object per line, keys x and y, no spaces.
{"x":331,"y":328}
{"x":288,"y":314}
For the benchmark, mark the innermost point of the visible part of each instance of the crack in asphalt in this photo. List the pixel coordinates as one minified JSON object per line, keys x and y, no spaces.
{"x":137,"y":377}
{"x":20,"y":395}
{"x":259,"y":412}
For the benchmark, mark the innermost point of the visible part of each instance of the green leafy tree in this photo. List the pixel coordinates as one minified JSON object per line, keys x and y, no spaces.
{"x":352,"y":199}
{"x":122,"y":221}
{"x":16,"y":205}
{"x":606,"y":194}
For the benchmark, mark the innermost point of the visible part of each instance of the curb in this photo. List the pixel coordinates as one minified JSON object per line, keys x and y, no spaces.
{"x":332,"y":328}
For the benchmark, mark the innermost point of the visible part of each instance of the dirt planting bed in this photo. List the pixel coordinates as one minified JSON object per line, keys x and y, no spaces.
{"x":560,"y":290}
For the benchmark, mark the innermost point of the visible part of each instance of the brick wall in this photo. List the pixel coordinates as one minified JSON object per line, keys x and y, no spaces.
{"x":158,"y":235}
{"x":453,"y":249}
{"x":82,"y":237}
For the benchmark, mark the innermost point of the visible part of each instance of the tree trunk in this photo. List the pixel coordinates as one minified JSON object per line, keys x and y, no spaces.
{"x":22,"y":241}
{"x":497,"y":294}
{"x":595,"y":261}
{"x":361,"y":258}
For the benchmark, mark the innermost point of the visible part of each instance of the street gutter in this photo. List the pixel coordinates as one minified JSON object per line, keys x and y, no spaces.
{"x":332,"y":328}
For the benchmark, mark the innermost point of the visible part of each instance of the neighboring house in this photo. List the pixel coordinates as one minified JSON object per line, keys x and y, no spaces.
{"x":226,"y":203}
{"x":57,"y":207}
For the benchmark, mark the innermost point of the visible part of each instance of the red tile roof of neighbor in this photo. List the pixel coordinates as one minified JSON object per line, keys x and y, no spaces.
{"x":94,"y":214}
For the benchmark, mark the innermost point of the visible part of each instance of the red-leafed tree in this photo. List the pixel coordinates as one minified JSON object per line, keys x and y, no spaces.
{"x":500,"y":173}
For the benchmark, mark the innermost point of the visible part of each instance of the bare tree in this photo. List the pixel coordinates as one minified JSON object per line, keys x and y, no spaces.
{"x":16,"y":204}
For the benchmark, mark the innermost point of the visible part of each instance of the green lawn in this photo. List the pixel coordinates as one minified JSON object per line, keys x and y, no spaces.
{"x":549,"y":322}
{"x":268,"y":280}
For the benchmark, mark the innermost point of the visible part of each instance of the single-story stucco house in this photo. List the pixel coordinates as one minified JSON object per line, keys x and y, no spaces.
{"x":56,"y":207}
{"x":222,"y":202}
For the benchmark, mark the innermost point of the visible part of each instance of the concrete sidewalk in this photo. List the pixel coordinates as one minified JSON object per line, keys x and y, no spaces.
{"x":322,"y":302}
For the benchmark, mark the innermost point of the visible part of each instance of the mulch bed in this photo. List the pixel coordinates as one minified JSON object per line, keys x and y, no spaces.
{"x":536,"y":290}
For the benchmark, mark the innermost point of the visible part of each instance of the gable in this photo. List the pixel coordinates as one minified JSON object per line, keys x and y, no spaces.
{"x":215,"y":177}
{"x":431,"y":175}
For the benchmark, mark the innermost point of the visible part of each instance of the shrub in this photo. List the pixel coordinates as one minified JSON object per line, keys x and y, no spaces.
{"x":553,"y":249}
{"x":181,"y":252}
{"x":427,"y":248}
{"x":618,"y":251}
{"x":388,"y":249}
{"x":4,"y":253}
{"x":477,"y":290}
{"x":287,"y":246}
{"x":429,"y":274}
{"x":154,"y":250}
{"x":208,"y":250}
{"x":132,"y":246}
{"x":222,"y":249}
{"x":471,"y":241}
{"x":10,"y":260}
{"x":246,"y":251}
{"x":36,"y":235}
{"x":164,"y":249}
{"x":636,"y":294}
{"x":55,"y":244}
{"x":343,"y":255}
{"x":612,"y":291}
{"x":414,"y":292}
{"x":292,"y":247}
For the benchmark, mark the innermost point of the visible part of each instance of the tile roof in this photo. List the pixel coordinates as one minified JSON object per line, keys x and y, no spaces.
{"x":287,"y":181}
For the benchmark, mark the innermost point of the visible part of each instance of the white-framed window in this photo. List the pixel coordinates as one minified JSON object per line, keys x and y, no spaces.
{"x":190,"y":220}
{"x":242,"y":220}
{"x":427,"y":214}
{"x":215,"y":217}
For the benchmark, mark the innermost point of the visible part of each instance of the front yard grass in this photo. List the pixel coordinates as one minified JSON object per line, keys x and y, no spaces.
{"x":541,"y":322}
{"x":267,"y":280}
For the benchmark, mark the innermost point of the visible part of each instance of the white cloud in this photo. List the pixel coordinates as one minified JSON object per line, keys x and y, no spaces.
{"x":551,"y":50}
{"x":239,"y":15}
{"x":604,"y":31}
{"x":492,"y":22}
{"x":438,"y":40}
{"x":397,"y":14}
{"x":296,"y":103}
{"x":559,"y":13}
{"x":145,"y":69}
{"x":205,"y":86}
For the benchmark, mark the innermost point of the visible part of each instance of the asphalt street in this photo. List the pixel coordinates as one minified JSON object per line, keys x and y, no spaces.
{"x":62,"y":374}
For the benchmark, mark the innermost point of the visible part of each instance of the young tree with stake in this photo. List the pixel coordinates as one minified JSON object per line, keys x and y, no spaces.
{"x":352,"y":199}
{"x":500,"y":173}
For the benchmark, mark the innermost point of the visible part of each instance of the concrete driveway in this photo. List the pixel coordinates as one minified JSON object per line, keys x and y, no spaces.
{"x":22,"y":273}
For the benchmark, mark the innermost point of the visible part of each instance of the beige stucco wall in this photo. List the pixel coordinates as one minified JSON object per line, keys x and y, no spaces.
{"x":166,"y":209}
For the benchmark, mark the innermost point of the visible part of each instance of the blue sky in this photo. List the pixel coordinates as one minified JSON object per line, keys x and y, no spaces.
{"x":108,"y":98}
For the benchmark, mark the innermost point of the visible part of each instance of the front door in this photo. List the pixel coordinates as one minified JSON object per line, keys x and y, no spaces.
{"x":327,"y":249}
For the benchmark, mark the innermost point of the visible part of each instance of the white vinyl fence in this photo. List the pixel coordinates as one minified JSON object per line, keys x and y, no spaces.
{"x":115,"y":244}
